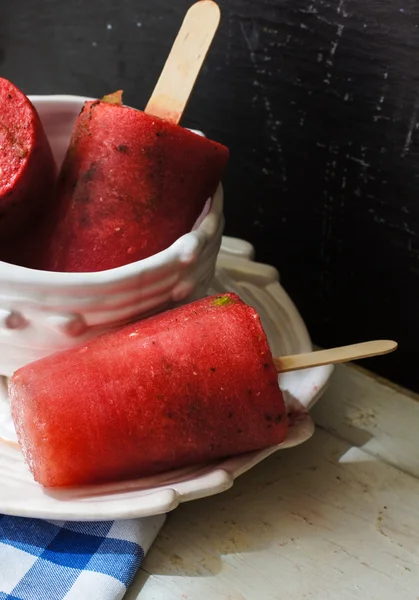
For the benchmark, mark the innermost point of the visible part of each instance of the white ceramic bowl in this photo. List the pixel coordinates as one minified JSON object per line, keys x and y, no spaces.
{"x":42,"y":312}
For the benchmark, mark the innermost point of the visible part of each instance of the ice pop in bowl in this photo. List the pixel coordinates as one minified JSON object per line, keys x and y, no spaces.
{"x":42,"y":311}
{"x":136,"y":220}
{"x":131,"y":184}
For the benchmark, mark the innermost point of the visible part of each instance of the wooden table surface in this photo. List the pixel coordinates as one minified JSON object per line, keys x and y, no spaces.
{"x":336,"y":518}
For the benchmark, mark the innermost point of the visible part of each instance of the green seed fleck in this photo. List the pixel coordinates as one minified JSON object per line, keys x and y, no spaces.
{"x":114,"y":98}
{"x":222,"y":301}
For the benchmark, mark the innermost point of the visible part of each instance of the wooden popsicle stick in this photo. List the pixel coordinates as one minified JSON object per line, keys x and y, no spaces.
{"x":295,"y":362}
{"x":176,"y":81}
{"x":9,"y":443}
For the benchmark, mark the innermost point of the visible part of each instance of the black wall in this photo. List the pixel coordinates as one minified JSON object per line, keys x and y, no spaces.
{"x":319,"y":104}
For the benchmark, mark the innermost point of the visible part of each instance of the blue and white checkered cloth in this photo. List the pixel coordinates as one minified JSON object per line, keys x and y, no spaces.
{"x":62,"y":560}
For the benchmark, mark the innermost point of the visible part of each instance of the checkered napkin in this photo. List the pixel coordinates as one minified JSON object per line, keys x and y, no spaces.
{"x":61,"y":560}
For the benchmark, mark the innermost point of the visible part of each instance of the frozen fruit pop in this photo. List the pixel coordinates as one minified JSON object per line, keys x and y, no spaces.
{"x":134,"y":182}
{"x":27,"y":167}
{"x":130,"y":185}
{"x":193,"y":384}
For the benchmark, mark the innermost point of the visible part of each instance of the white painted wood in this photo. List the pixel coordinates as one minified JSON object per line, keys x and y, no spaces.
{"x":309,"y":523}
{"x":323,"y":521}
{"x":371,"y":413}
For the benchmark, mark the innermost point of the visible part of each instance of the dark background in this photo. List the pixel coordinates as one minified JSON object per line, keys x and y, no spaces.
{"x":319,"y":104}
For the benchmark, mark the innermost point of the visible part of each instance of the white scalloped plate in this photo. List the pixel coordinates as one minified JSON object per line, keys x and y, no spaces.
{"x":257,"y":285}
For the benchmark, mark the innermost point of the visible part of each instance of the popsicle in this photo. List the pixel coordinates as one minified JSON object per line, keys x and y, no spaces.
{"x":189,"y":385}
{"x":133,"y":182}
{"x":27,"y":167}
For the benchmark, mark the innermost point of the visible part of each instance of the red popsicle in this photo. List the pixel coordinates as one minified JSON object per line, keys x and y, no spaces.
{"x":193,"y":384}
{"x":27,"y":167}
{"x":131,"y":184}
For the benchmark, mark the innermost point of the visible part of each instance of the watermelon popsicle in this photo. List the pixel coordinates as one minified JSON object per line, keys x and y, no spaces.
{"x":134,"y":182}
{"x":193,"y":384}
{"x":131,"y":184}
{"x":27,"y":167}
